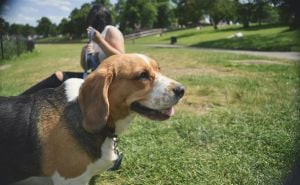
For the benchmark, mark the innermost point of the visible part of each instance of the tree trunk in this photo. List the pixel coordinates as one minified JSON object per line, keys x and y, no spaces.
{"x":296,"y":21}
{"x":215,"y":26}
{"x":246,"y":24}
{"x":215,"y":23}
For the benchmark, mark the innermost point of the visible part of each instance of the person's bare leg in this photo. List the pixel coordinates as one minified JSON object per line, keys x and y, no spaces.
{"x":59,"y":75}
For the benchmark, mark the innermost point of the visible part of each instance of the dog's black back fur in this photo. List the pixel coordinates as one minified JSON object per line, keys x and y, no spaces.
{"x":19,"y":151}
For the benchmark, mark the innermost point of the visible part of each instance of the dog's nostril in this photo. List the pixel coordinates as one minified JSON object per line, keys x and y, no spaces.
{"x":179,"y":91}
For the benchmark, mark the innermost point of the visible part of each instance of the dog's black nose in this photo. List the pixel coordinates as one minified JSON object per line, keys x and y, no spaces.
{"x":179,"y":91}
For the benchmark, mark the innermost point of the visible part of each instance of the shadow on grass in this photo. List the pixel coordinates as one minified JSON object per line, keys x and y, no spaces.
{"x":279,"y":42}
{"x":190,"y":33}
{"x":180,"y":36}
{"x":251,"y":28}
{"x":294,"y":178}
{"x":226,"y":29}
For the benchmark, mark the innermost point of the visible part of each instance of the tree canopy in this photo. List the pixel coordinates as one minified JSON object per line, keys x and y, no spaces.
{"x":45,"y":27}
{"x":135,"y":15}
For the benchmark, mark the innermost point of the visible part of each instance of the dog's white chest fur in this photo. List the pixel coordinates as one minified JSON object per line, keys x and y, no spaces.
{"x":102,"y":164}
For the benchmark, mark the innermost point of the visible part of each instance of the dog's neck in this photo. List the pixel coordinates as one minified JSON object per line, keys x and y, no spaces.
{"x":91,"y":142}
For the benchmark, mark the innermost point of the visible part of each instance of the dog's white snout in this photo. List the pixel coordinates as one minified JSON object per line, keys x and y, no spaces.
{"x":165,"y":93}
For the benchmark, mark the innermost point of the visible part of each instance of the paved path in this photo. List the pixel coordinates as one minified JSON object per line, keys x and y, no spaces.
{"x":274,"y":54}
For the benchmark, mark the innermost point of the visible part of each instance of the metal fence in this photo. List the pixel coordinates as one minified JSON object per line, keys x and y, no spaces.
{"x":144,"y":33}
{"x":12,"y":46}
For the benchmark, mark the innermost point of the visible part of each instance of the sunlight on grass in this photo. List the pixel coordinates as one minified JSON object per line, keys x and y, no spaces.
{"x":32,"y":68}
{"x":266,"y":38}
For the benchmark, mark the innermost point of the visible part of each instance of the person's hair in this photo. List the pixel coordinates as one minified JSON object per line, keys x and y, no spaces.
{"x":99,"y":17}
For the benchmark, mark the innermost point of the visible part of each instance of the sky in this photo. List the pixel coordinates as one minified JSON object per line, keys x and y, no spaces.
{"x":29,"y":11}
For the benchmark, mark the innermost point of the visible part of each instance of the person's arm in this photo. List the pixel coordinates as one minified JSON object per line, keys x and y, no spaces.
{"x":113,"y":43}
{"x":82,"y":57}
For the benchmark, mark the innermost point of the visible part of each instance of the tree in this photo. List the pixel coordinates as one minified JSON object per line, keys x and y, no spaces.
{"x":137,"y":14}
{"x":106,"y":3}
{"x":78,"y":24}
{"x":53,"y":29}
{"x":219,"y":10}
{"x":245,"y":11}
{"x":4,"y":26}
{"x":289,"y":12}
{"x":148,"y":15}
{"x":189,"y":11}
{"x":165,"y":14}
{"x":275,"y":3}
{"x":44,"y":26}
{"x":28,"y":30}
{"x":119,"y":9}
{"x":263,"y":11}
{"x":16,"y":29}
{"x":257,"y":11}
{"x":64,"y":27}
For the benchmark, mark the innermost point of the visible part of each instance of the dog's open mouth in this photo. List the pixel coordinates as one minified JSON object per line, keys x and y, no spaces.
{"x":153,"y":114}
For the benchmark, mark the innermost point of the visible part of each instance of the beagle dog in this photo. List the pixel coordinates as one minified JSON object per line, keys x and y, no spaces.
{"x":67,"y":134}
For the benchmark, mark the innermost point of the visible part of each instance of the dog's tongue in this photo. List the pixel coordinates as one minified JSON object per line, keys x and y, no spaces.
{"x":169,"y":111}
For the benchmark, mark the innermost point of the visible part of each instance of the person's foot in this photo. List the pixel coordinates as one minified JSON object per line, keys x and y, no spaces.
{"x":59,"y":75}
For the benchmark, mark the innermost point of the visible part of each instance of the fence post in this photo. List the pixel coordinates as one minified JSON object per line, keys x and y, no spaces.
{"x":17,"y":39}
{"x":2,"y":50}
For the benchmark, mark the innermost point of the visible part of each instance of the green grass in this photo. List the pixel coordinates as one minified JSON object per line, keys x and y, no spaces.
{"x":62,"y":39}
{"x":237,"y":124}
{"x":263,"y":38}
{"x":20,"y":73}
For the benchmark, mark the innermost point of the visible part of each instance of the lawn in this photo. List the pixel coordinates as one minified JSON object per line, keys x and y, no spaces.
{"x":237,"y":123}
{"x":263,"y":38}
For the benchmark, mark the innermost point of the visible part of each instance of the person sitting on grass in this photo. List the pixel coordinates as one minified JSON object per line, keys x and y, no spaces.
{"x":107,"y":41}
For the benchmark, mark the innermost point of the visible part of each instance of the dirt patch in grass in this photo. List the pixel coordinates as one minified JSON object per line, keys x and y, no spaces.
{"x":196,"y":109}
{"x":200,"y":105}
{"x":260,"y":62}
{"x":198,"y":71}
{"x":2,"y":67}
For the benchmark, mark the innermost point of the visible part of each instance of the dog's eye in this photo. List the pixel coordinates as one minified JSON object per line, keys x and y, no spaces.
{"x":143,"y":76}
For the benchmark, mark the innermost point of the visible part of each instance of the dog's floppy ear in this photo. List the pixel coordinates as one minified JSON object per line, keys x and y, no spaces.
{"x":93,"y":100}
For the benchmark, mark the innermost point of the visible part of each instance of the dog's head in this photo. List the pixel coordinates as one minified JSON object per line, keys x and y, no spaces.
{"x":123,"y":84}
